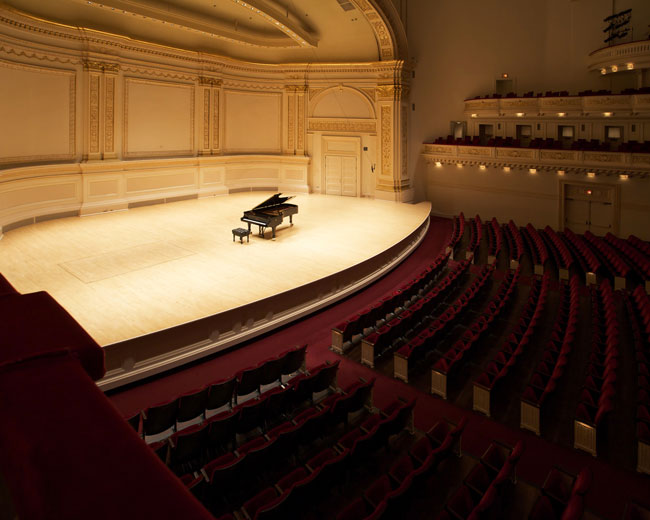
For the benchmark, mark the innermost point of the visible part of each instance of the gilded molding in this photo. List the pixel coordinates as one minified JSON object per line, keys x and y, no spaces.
{"x":392,"y":92}
{"x":301,"y":121}
{"x":215,"y":117}
{"x":72,"y":111}
{"x":342,"y":125}
{"x":94,"y":112}
{"x":100,"y":66}
{"x":206,"y":118}
{"x":291,"y":121}
{"x":379,"y":27}
{"x":386,"y":140}
{"x":404,"y":141}
{"x":109,"y":114}
{"x":209,"y":82}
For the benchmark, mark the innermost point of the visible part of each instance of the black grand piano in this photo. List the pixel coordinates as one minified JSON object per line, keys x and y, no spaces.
{"x":270,"y":213}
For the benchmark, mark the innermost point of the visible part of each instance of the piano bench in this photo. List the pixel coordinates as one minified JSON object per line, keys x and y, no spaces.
{"x":241,"y":233}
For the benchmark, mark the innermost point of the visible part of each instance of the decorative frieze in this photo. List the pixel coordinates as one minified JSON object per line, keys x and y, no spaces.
{"x":109,"y":115}
{"x":94,"y":113}
{"x":341,"y":125}
{"x":387,"y":140}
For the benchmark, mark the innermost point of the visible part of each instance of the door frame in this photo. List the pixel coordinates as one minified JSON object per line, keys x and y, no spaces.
{"x":329,"y":147}
{"x":616,"y":202}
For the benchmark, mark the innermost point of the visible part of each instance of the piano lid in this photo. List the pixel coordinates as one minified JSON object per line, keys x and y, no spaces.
{"x":274,"y":200}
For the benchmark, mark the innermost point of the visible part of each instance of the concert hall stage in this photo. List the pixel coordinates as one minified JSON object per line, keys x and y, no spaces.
{"x":162,"y":285}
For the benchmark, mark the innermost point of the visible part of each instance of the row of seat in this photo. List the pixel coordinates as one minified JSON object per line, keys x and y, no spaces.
{"x":385,"y":337}
{"x":536,"y":397}
{"x":488,"y":383}
{"x":219,"y":482}
{"x":368,"y":317}
{"x":495,"y":238}
{"x":516,"y":243}
{"x":162,"y":419}
{"x":190,"y":448}
{"x":486,"y":488}
{"x":537,"y":247}
{"x":616,"y":264}
{"x":457,"y":232}
{"x":562,"y":495}
{"x":476,"y":234}
{"x":642,"y":357}
{"x":292,"y":493}
{"x":561,"y":254}
{"x":583,"y":252}
{"x":639,"y":260}
{"x":455,"y":357}
{"x":596,"y":400}
{"x":386,"y":496}
{"x":423,"y":343}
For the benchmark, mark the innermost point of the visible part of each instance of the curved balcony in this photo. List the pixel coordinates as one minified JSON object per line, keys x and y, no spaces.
{"x":623,"y":57}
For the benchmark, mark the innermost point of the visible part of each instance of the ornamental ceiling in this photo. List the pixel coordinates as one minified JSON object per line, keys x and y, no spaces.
{"x":266,"y":31}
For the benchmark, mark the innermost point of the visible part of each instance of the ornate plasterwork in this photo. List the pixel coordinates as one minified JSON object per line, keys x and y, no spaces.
{"x":209,"y":82}
{"x":100,"y":66}
{"x":291,"y":123}
{"x":404,"y":158}
{"x":379,"y":27}
{"x":216,"y":96}
{"x":387,"y":140}
{"x":109,"y":115}
{"x":94,"y":113}
{"x":342,"y":125}
{"x":392,"y":92}
{"x":300,"y":98}
{"x":206,"y":118}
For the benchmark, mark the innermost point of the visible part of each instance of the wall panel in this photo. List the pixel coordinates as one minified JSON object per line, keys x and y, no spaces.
{"x":158,"y":118}
{"x":37,"y":111}
{"x":253,"y":122}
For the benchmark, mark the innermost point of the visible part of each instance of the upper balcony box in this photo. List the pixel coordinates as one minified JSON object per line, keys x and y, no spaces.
{"x":621,"y":57}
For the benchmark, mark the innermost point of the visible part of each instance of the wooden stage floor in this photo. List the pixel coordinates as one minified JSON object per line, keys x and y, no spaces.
{"x":130,"y":273}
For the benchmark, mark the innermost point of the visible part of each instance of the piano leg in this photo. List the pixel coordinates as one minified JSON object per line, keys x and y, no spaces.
{"x":291,"y":219}
{"x":249,"y":227}
{"x":273,"y":237}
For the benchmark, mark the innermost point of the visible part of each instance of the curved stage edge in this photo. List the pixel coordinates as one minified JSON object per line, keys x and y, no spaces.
{"x":141,"y":357}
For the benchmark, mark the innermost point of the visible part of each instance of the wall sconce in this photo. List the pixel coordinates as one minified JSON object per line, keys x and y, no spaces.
{"x":603,"y":71}
{"x":591,"y":175}
{"x":460,"y":165}
{"x":438,"y":164}
{"x":519,"y":114}
{"x":372,"y":167}
{"x":561,"y":114}
{"x":630,"y":66}
{"x":481,"y":166}
{"x":624,"y":176}
{"x":474,"y":115}
{"x":532,"y":170}
{"x":506,"y":169}
{"x":607,"y":114}
{"x":614,"y":68}
{"x":560,"y":173}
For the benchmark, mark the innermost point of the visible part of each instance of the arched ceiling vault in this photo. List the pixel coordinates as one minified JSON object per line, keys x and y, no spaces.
{"x":265,"y":31}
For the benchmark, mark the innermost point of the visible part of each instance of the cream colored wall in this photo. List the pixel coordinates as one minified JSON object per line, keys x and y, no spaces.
{"x":158,"y":118}
{"x":252,"y":122}
{"x":526,"y":197}
{"x":137,"y":122}
{"x":37,"y":113}
{"x":461,"y":48}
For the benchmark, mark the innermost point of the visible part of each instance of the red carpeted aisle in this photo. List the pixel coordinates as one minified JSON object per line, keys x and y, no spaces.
{"x":611,"y":488}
